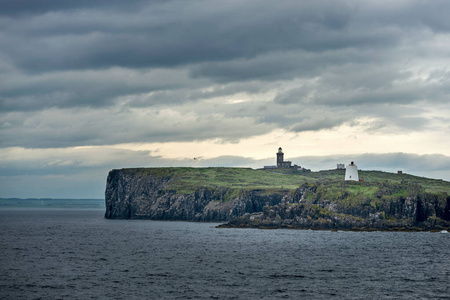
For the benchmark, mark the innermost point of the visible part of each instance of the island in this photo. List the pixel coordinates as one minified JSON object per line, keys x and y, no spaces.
{"x":294,"y":198}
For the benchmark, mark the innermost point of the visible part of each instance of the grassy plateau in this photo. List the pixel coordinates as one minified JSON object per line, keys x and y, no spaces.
{"x":188,"y":180}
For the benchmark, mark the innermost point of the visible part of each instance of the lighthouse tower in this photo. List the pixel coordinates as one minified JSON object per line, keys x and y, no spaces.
{"x":351,"y":172}
{"x":280,"y":158}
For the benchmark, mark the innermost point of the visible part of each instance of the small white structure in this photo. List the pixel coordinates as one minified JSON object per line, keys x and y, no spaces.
{"x":351,"y":172}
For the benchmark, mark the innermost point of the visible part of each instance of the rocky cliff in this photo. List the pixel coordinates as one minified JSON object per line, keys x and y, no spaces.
{"x":157,"y":194}
{"x":134,"y":195}
{"x":310,"y":208}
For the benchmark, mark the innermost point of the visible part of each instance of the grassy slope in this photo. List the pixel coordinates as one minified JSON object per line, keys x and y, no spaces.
{"x":187,"y":180}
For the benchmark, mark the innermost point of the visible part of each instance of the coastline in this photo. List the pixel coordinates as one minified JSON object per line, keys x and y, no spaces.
{"x":355,"y":229}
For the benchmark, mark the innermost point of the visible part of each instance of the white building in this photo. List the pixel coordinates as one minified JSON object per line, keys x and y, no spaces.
{"x":351,"y":172}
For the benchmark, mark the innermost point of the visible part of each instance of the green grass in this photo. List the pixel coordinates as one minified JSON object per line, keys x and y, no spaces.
{"x":188,"y":180}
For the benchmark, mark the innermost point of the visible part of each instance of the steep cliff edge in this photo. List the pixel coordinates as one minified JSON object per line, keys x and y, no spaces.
{"x":255,"y":198}
{"x":153,"y":194}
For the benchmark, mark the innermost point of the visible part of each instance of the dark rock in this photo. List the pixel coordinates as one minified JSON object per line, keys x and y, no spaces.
{"x":143,"y":196}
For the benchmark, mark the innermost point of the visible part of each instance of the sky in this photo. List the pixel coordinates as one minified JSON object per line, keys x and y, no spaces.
{"x":91,"y":86}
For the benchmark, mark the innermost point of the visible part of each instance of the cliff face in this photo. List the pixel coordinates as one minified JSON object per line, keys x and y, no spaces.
{"x":143,"y":196}
{"x":307,"y":208}
{"x":154,"y":194}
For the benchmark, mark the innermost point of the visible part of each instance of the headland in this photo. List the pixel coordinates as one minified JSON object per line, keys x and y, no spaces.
{"x":280,"y":198}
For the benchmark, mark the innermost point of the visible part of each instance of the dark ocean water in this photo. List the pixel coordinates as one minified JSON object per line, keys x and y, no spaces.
{"x":77,"y":254}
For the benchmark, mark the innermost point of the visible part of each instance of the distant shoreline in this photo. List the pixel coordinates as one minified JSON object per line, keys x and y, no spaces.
{"x":51,"y":203}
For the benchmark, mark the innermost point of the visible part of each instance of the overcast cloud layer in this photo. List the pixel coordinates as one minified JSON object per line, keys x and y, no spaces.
{"x":78,"y":78}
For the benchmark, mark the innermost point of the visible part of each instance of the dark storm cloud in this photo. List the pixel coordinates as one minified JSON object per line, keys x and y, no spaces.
{"x":179,"y":33}
{"x":431,"y":14}
{"x":83,"y":127}
{"x":75,"y":72}
{"x":366,"y":84}
{"x":185,"y":32}
{"x":96,"y":88}
{"x":20,"y":7}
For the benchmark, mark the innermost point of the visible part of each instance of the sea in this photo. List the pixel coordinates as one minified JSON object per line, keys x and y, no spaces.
{"x":54,"y":253}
